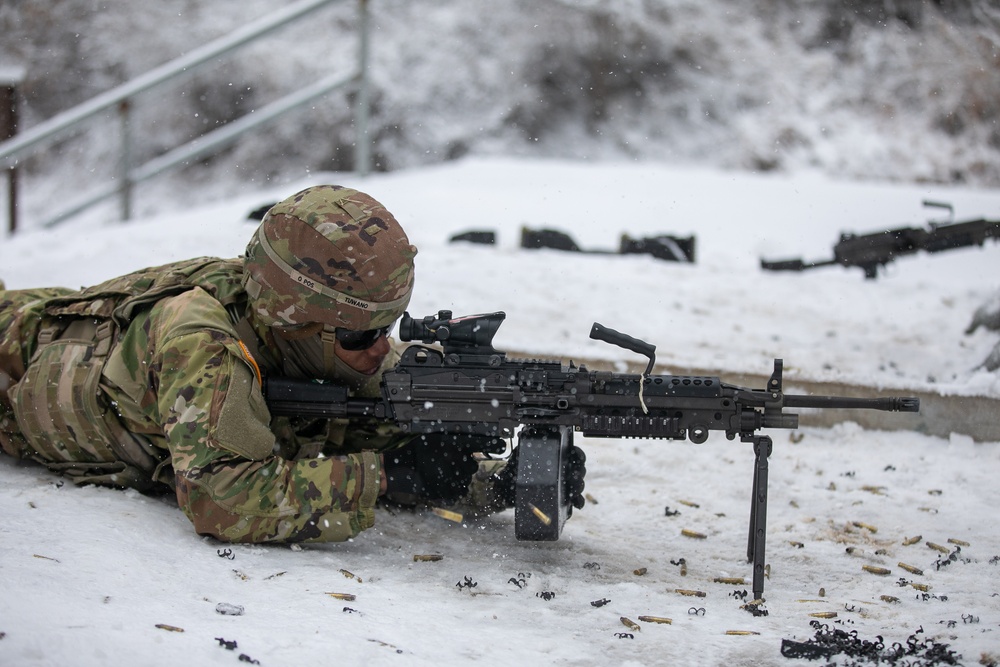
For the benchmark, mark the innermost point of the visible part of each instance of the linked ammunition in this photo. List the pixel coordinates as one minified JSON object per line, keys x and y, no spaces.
{"x":629,"y":623}
{"x":655,"y":619}
{"x":542,"y":516}
{"x":343,"y":596}
{"x":447,"y":514}
{"x":169,"y":628}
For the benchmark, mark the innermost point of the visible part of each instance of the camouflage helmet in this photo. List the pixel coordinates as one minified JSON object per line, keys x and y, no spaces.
{"x":330,"y":255}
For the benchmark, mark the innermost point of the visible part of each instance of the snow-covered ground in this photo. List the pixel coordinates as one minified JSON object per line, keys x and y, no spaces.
{"x":89,"y":573}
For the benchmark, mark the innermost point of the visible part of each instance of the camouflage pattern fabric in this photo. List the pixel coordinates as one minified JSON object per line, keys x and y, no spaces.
{"x":179,"y":379}
{"x":21,"y":313}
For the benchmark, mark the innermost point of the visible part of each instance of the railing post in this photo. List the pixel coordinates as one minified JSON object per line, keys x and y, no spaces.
{"x":362,"y":156}
{"x":9,"y":80}
{"x":125,"y":161}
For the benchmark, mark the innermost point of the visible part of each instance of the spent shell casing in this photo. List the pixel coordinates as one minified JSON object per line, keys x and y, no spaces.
{"x":542,"y":516}
{"x":741,"y":633}
{"x":691,"y":533}
{"x":629,"y":623}
{"x":639,"y":571}
{"x":961,"y":543}
{"x":911,"y":569}
{"x":689,"y":503}
{"x":889,"y":598}
{"x":881,"y":571}
{"x":447,"y":514}
{"x":343,"y":596}
{"x":427,"y":558}
{"x":867,"y":526}
{"x":824,"y":614}
{"x":938,"y":547}
{"x":350,"y":575}
{"x":169,"y":628}
{"x":920,"y":587}
{"x":910,"y":541}
{"x":694,"y":594}
{"x":656,"y":619}
{"x":735,"y":581}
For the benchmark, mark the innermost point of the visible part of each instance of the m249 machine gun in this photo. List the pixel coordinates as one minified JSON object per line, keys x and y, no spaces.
{"x":870,"y":251}
{"x":467,"y":386}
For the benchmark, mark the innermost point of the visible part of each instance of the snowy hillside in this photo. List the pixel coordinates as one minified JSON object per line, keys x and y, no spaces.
{"x":900,"y":91}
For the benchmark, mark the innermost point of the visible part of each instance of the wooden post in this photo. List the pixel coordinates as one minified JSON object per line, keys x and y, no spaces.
{"x":10,"y":78}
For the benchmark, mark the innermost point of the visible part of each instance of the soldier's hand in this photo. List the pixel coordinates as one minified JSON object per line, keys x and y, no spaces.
{"x":435,"y":466}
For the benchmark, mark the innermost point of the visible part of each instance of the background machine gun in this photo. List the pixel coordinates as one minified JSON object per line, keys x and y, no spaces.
{"x":870,"y":251}
{"x":467,"y":386}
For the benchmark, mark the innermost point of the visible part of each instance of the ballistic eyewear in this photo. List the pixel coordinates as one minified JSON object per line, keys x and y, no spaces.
{"x":354,"y":341}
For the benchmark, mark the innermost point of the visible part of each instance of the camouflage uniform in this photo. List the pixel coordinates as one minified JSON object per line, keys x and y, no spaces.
{"x":153,"y":380}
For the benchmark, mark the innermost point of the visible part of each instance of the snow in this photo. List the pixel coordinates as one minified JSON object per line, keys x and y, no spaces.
{"x":89,"y":573}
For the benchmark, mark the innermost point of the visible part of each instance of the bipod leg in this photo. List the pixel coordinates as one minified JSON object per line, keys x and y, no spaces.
{"x":762,"y":446}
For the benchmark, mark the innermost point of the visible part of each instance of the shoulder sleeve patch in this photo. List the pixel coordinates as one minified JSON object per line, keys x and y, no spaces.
{"x":243,"y":424}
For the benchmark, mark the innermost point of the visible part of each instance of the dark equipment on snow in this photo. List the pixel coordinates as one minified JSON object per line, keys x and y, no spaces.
{"x":468,"y":387}
{"x":662,"y":246}
{"x":870,"y":251}
{"x":479,"y":236}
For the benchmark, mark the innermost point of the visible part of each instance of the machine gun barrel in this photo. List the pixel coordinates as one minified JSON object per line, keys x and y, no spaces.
{"x":885,"y":403}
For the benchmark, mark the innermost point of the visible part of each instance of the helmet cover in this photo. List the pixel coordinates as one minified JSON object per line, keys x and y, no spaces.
{"x":329,"y":255}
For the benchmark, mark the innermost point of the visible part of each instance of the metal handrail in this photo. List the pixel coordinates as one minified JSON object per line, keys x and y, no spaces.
{"x":205,"y":144}
{"x":47,"y":131}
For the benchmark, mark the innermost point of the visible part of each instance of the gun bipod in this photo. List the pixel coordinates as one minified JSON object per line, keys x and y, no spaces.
{"x":762,"y":446}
